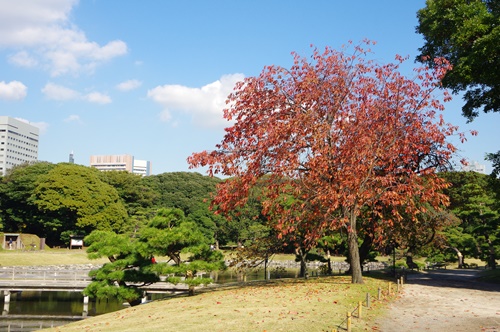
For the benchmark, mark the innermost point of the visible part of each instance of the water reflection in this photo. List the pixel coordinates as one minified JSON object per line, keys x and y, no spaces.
{"x":56,"y":303}
{"x":33,"y":310}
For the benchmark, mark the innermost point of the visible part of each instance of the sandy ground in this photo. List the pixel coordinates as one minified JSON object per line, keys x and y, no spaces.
{"x":444,"y":300}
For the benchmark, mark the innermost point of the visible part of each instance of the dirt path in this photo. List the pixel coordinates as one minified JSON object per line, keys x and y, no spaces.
{"x":444,"y":300}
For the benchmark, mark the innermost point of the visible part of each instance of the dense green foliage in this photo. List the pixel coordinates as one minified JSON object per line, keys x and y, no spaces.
{"x":57,"y":200}
{"x":475,"y":200}
{"x":131,"y":265}
{"x":18,"y":211}
{"x":77,"y":197}
{"x":467,"y":34}
{"x":181,"y":190}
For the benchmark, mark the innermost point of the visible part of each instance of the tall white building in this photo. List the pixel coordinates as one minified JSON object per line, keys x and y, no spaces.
{"x":18,"y":143}
{"x":475,"y":167}
{"x":142,"y":167}
{"x":123,"y":162}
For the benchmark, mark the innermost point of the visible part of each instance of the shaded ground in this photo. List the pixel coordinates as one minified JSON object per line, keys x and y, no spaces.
{"x":444,"y":300}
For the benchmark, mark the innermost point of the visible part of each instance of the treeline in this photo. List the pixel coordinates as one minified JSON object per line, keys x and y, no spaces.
{"x":58,"y":200}
{"x":55,"y":201}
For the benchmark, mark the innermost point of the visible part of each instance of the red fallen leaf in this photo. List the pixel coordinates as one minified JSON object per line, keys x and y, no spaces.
{"x":335,"y":302}
{"x":219,"y":302}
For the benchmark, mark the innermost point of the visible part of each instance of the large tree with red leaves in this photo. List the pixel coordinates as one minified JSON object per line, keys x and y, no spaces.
{"x":337,"y":135}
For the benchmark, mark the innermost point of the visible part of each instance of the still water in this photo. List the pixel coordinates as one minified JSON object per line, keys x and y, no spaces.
{"x":34,"y":310}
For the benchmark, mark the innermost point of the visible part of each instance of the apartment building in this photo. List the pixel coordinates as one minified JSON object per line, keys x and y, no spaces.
{"x":18,"y":143}
{"x":123,"y":162}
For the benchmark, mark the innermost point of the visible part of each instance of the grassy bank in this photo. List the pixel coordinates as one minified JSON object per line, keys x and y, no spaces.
{"x":46,"y":257}
{"x":317,"y":304}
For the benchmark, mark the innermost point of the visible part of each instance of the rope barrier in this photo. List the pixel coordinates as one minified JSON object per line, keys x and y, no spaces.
{"x":358,"y":309}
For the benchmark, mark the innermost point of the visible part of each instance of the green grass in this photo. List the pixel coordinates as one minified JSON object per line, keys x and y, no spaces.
{"x":46,"y":257}
{"x":281,"y":305}
{"x":316,"y":304}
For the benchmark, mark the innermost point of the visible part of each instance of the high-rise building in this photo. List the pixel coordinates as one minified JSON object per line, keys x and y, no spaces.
{"x":123,"y":162}
{"x":71,"y":158}
{"x":18,"y":143}
{"x":474,"y":167}
{"x":142,"y":167}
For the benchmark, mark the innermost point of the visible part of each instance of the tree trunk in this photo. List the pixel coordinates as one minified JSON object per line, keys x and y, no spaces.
{"x":460,"y":257}
{"x":352,"y":242}
{"x":329,"y":270}
{"x":491,"y":259}
{"x":365,"y":248}
{"x":303,"y":266}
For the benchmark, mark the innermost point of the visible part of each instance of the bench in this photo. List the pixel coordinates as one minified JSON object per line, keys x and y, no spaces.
{"x":437,"y":266}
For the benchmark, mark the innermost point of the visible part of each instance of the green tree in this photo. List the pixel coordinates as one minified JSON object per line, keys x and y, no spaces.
{"x":75,"y":196}
{"x":168,"y":234}
{"x":475,"y":199}
{"x":467,"y":34}
{"x":18,"y":211}
{"x":134,"y":193}
{"x":190,"y":192}
{"x":127,"y":270}
{"x":137,"y":197}
{"x":181,"y":190}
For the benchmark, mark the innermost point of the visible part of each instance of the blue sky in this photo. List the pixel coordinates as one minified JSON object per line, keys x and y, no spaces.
{"x":149,"y":78}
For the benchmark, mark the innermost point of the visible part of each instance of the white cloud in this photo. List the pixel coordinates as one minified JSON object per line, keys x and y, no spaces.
{"x":13,"y":90}
{"x":43,"y":31}
{"x":73,"y":118}
{"x":205,"y":104}
{"x":23,"y":59}
{"x":58,"y":92}
{"x":61,"y":93}
{"x":98,"y":98}
{"x":129,"y":85}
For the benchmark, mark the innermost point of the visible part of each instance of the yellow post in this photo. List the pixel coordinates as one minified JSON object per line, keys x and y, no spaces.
{"x":398,"y":285}
{"x":389,"y":288}
{"x":348,"y":321}
{"x":402,"y":281}
{"x":360,"y":309}
{"x":379,"y":293}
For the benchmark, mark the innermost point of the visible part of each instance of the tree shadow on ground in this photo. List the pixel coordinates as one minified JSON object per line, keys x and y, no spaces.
{"x":454,"y":278}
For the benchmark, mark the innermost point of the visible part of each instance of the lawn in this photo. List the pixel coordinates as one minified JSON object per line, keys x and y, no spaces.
{"x":46,"y":257}
{"x":316,"y":304}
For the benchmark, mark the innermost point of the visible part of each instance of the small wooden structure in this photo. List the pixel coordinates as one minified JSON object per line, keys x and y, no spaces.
{"x":11,"y":241}
{"x":76,"y":242}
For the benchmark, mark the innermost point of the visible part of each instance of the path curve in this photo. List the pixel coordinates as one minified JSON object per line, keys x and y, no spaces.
{"x":444,"y":300}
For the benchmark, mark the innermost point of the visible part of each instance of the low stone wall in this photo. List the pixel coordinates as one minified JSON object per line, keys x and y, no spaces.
{"x":336,"y":266}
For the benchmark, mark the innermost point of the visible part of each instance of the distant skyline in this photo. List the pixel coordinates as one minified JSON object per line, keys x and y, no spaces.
{"x":150,"y":79}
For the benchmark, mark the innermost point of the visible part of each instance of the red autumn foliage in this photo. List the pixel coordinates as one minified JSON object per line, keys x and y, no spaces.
{"x":330,"y":136}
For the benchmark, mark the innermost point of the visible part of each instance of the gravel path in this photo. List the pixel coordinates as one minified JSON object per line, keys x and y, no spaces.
{"x":444,"y":300}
